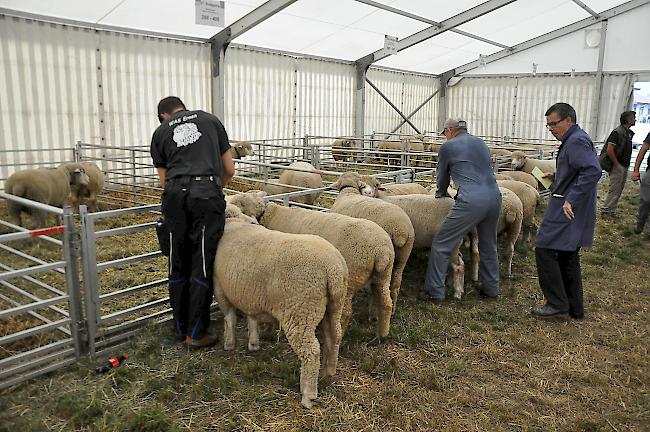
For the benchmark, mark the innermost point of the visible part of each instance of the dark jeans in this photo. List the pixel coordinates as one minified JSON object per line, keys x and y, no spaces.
{"x":560,"y":279}
{"x":194,"y":212}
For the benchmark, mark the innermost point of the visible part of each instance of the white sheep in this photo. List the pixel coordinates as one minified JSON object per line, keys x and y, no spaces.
{"x":499,"y":152}
{"x":366,"y":247}
{"x":385,"y":149}
{"x":88,"y":193}
{"x":301,"y":179}
{"x":376,"y":189}
{"x":522,"y":176}
{"x":240,"y":149}
{"x":521,"y":162}
{"x":339,"y":152}
{"x":300,"y":280}
{"x":46,"y":185}
{"x":529,"y":197}
{"x":391,"y":218}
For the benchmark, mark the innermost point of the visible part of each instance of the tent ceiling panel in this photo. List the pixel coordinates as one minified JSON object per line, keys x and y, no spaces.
{"x":439,"y":54}
{"x":343,"y":29}
{"x":525,"y":19}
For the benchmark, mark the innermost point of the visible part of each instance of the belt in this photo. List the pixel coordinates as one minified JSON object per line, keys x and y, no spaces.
{"x":215,"y":179}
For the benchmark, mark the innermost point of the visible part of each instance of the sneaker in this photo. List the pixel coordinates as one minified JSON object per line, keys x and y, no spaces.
{"x":549,"y":312}
{"x":638,"y":229}
{"x":204,"y":342}
{"x":482,"y":294}
{"x":425,"y":296}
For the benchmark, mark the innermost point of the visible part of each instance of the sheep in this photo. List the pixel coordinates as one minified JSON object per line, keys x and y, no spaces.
{"x":375,"y":189}
{"x":299,"y":280}
{"x":510,"y":221}
{"x":90,"y":191}
{"x":338,"y":149}
{"x":46,"y":185}
{"x":386,"y":148}
{"x":521,"y":162}
{"x":240,"y":149}
{"x":366,"y":247}
{"x":529,"y":197}
{"x":522,"y":177}
{"x":304,"y":180}
{"x":390,"y":217}
{"x":500,"y":176}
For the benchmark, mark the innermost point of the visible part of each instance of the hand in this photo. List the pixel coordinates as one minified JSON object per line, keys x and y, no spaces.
{"x":568,"y":210}
{"x":636,"y":176}
{"x":550,"y":175}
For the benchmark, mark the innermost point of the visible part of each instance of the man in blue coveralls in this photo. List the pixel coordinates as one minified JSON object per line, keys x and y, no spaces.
{"x":570,"y":218}
{"x":466,"y":159}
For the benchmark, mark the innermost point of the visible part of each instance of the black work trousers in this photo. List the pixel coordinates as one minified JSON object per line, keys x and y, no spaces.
{"x":560,"y":279}
{"x":194,"y":212}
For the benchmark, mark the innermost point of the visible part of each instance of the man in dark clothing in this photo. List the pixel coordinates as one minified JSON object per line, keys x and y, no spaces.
{"x":644,"y":190}
{"x":570,"y":218}
{"x":190,"y":152}
{"x":465,"y":159}
{"x":619,"y":152}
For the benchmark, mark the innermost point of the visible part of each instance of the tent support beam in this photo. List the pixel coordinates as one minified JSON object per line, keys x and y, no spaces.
{"x":428,"y":21}
{"x":599,"y":81}
{"x":392,"y":105}
{"x":429,"y":32}
{"x":625,"y":7}
{"x":415,"y":111}
{"x":360,"y":100}
{"x":442,"y":100}
{"x":220,"y":41}
{"x":585,"y":7}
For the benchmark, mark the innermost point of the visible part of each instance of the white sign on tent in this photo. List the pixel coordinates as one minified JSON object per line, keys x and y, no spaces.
{"x":390,"y":44}
{"x":210,"y":12}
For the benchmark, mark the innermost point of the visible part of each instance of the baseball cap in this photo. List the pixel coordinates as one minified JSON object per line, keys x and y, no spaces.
{"x":451,"y":123}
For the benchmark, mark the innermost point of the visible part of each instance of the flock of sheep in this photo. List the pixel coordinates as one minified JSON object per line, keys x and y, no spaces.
{"x":303,"y":267}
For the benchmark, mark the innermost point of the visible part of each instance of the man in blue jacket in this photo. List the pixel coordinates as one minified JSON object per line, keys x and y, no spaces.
{"x":570,"y":217}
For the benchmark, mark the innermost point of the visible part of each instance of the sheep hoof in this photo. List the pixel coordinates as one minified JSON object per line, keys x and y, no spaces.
{"x":307,"y":403}
{"x":458,"y":296}
{"x":253,"y":347}
{"x":228,"y":347}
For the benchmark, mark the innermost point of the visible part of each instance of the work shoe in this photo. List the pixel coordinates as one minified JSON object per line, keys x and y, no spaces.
{"x":425,"y":296}
{"x":204,"y":342}
{"x":638,"y":229}
{"x":482,"y":294}
{"x":172,"y":340}
{"x":549,"y":312}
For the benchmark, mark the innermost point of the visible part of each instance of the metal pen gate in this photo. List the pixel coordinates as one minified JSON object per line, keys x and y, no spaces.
{"x":54,"y":334}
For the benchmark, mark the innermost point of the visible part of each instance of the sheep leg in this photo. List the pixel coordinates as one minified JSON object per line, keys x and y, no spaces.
{"x":346,"y":315}
{"x":229,"y":324}
{"x":458,"y":272}
{"x":510,"y":251}
{"x":383,"y":303}
{"x":92,"y":202}
{"x":253,"y":334}
{"x":304,"y":343}
{"x":401,"y":256}
{"x":331,"y":326}
{"x":14,"y":212}
{"x":39,"y":218}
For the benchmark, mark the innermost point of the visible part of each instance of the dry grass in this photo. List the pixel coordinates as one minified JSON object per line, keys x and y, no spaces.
{"x":470,"y":365}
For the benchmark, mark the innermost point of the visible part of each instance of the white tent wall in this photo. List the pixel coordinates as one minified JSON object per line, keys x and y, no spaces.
{"x":406,"y":91}
{"x":514,"y":106}
{"x":487,"y":104}
{"x":49,"y":91}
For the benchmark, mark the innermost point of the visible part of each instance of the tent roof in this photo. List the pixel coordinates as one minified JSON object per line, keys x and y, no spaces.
{"x":343,"y":29}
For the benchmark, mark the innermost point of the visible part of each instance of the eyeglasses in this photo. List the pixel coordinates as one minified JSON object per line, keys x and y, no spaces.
{"x":553,"y":124}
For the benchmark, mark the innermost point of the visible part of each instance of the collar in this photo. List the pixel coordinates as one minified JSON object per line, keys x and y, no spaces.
{"x":570,"y":132}
{"x":348,"y":186}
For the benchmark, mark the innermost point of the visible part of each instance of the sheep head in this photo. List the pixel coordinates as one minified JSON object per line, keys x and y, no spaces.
{"x":234,"y":214}
{"x":244,"y":148}
{"x":372,"y":187}
{"x":77,"y":174}
{"x":518,"y":160}
{"x":349,"y":180}
{"x":250,"y":203}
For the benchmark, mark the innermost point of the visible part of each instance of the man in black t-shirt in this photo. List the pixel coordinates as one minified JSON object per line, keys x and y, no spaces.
{"x":190,"y":152}
{"x":644,"y":191}
{"x":619,"y":151}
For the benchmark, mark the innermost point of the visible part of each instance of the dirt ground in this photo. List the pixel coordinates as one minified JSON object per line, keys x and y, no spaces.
{"x":470,"y":365}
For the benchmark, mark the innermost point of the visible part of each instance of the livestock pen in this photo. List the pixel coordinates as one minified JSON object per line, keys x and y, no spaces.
{"x":466,"y":353}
